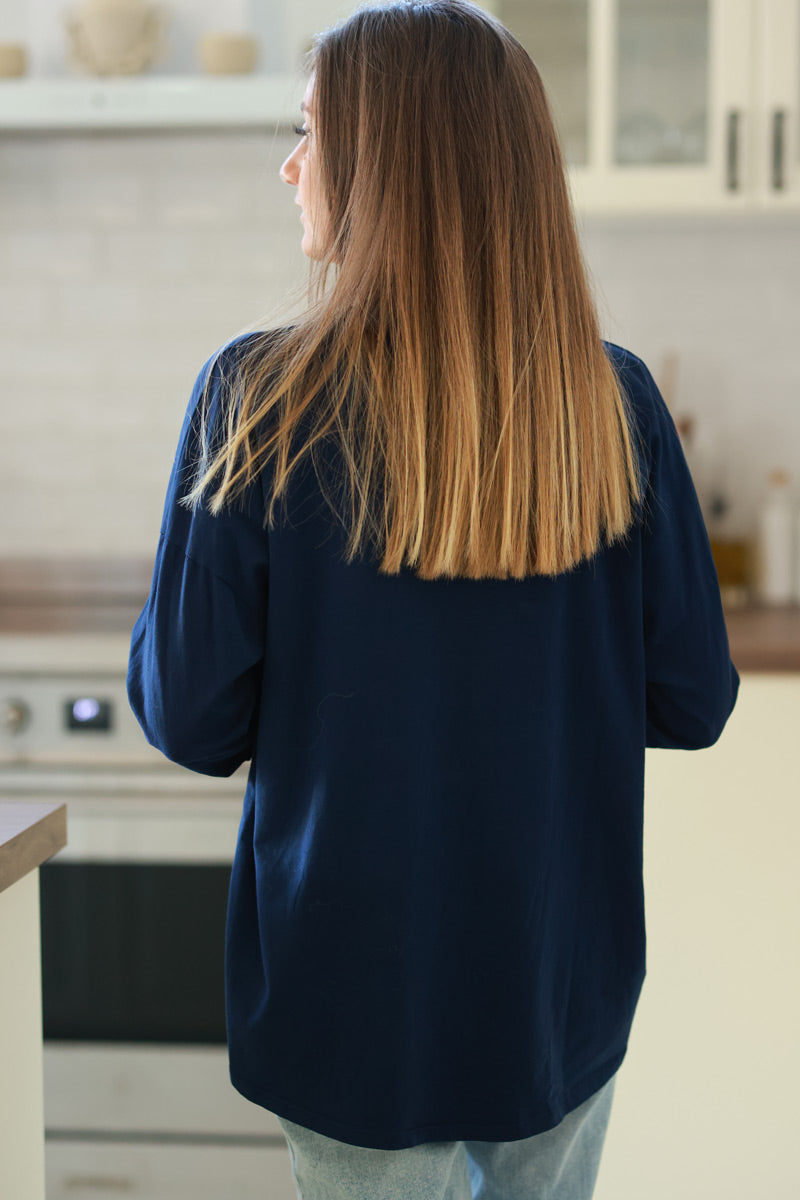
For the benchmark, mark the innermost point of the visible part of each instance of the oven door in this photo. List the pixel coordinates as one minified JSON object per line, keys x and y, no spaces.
{"x":138,"y":1100}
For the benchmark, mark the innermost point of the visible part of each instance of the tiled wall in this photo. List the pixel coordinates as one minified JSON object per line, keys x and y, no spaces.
{"x":127,"y":258}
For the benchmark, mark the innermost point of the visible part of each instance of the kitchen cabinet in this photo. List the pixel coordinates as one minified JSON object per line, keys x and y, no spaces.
{"x":705,"y":1100}
{"x":670,"y":105}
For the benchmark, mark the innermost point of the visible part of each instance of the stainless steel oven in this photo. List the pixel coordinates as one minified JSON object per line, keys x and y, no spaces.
{"x":138,"y":1100}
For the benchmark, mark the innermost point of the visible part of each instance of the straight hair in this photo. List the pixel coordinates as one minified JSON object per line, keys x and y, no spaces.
{"x":456,"y":361}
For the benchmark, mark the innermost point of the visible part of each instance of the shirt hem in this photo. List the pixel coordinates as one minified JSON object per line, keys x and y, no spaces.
{"x":464,"y":1131}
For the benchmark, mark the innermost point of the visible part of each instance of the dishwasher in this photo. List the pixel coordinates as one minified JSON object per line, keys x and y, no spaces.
{"x":138,"y":1100}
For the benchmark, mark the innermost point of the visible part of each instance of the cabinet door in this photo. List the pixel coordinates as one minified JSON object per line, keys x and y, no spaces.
{"x":777,"y":163}
{"x":77,"y":1170}
{"x":662,"y":95}
{"x":652,"y":98}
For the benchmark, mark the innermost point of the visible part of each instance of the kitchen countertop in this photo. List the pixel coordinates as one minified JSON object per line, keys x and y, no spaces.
{"x":761,"y":639}
{"x":29,"y":835}
{"x":99,"y":599}
{"x":765,"y":639}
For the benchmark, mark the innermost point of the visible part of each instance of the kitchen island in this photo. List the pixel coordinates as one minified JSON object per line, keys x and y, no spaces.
{"x":29,"y":835}
{"x":705,"y":1101}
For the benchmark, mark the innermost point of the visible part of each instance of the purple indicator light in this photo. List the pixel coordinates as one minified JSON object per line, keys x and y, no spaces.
{"x":85,"y":709}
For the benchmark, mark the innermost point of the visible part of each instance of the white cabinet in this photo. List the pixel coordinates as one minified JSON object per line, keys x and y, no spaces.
{"x":670,"y":105}
{"x":705,"y":1104}
{"x":652,"y":98}
{"x":169,"y":1172}
{"x":157,"y":1121}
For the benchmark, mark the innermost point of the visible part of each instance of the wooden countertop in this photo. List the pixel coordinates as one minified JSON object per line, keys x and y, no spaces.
{"x":764,"y":639}
{"x":29,"y":835}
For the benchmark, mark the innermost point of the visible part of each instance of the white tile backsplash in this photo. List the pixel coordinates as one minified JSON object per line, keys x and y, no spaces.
{"x":127,"y":258}
{"x":724,"y":293}
{"x":24,"y":306}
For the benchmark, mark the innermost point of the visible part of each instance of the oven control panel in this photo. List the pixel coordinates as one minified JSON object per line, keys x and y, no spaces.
{"x":66,"y":725}
{"x":77,"y":718}
{"x":77,"y":736}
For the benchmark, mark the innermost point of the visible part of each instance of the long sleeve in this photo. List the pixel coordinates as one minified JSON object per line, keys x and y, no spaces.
{"x":691,"y":682}
{"x":196,"y":657}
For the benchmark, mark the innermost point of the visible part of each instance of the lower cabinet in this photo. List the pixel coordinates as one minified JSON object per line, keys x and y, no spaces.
{"x":149,"y":1171}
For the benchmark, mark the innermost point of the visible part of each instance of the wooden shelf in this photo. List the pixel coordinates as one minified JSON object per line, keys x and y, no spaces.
{"x":151,"y":102}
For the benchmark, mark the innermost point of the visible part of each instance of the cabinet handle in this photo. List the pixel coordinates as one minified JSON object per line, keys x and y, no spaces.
{"x":778,"y":129}
{"x":732,"y":180}
{"x":103,"y":1183}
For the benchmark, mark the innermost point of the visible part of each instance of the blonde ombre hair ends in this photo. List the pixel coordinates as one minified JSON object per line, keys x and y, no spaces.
{"x":456,"y":358}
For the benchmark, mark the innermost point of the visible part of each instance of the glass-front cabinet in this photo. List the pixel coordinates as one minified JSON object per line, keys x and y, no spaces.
{"x":661,"y":99}
{"x":651,"y":97}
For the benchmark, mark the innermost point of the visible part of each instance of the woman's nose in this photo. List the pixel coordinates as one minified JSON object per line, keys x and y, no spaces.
{"x":289,"y":170}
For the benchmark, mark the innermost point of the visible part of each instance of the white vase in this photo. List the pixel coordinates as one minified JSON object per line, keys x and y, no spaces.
{"x":115,"y":37}
{"x":774,"y":544}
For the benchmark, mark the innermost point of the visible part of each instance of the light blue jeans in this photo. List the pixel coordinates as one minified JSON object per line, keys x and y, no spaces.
{"x":559,"y":1164}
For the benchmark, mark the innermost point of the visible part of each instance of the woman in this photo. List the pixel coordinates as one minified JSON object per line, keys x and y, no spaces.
{"x":435,"y":938}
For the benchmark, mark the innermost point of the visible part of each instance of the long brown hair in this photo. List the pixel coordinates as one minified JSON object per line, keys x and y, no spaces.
{"x":457,"y":360}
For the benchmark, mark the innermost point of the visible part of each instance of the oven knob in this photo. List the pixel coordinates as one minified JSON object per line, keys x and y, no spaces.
{"x":15,"y":716}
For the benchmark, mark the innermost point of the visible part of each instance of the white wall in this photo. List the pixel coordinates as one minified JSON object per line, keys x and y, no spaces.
{"x":724,"y":293}
{"x":127,"y":258}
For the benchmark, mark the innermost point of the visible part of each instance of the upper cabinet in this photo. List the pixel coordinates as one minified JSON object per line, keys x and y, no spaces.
{"x":670,"y":105}
{"x":661,"y":105}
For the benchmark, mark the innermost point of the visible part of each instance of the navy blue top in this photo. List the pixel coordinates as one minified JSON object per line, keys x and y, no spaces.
{"x":435,"y":923}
